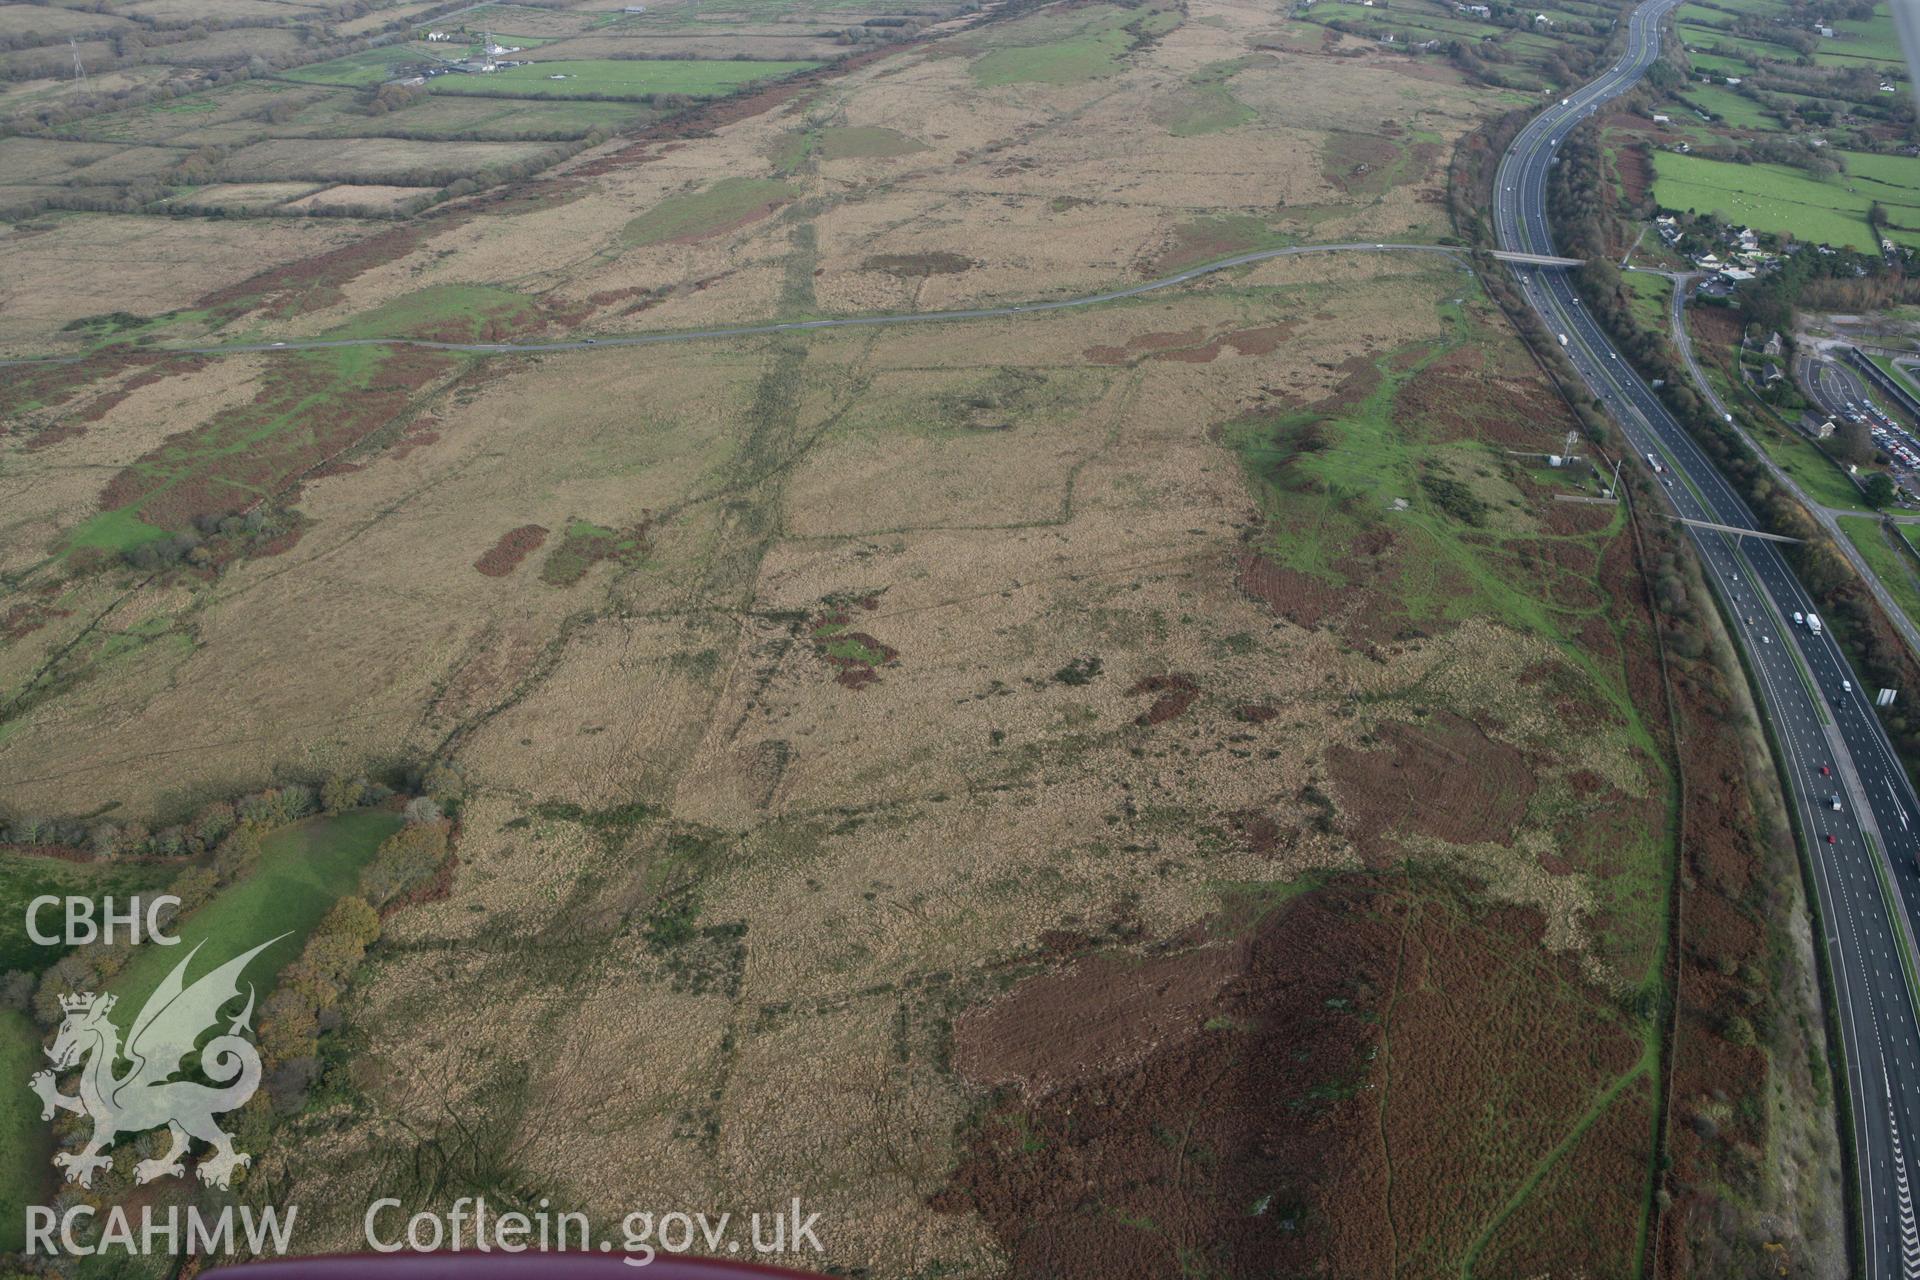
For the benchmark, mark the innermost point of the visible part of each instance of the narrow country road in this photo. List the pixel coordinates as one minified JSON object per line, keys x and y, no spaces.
{"x":789,"y":326}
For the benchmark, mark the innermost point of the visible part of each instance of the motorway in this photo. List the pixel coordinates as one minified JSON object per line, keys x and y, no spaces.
{"x":1831,"y":748}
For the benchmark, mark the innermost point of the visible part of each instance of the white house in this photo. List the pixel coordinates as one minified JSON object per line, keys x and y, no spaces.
{"x":437,"y":36}
{"x":1660,"y":119}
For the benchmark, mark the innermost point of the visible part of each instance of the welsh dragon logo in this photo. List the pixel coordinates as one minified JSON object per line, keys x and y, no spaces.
{"x":146,"y":1096}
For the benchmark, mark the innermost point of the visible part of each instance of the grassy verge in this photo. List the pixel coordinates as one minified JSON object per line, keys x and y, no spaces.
{"x":1818,"y":475}
{"x":1889,"y":563}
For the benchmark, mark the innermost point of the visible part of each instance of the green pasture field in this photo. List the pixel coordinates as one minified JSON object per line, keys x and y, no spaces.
{"x":1058,"y":54}
{"x":1761,"y":50}
{"x":485,"y":119}
{"x":370,"y":66}
{"x":304,"y":869}
{"x":1393,"y":17}
{"x":1739,"y":112}
{"x":445,"y":312}
{"x":1768,"y":197}
{"x":1862,"y":40}
{"x":1700,"y":15}
{"x":863,"y":142}
{"x":25,"y":1139}
{"x":1715,"y":64}
{"x":24,"y":877}
{"x":693,"y":77}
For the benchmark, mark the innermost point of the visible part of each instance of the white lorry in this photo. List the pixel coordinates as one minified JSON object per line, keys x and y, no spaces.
{"x":1813,"y":623}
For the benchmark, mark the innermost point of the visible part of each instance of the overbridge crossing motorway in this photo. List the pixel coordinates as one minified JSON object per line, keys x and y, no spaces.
{"x":1853,"y":804}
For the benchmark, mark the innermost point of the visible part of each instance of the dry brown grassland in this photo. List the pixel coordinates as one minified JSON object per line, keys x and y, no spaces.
{"x":849,"y":677}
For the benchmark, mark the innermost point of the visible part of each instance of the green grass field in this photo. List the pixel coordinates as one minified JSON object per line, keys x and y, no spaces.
{"x":503,"y":119}
{"x":1752,"y":50}
{"x":1768,"y":197}
{"x":863,"y":142}
{"x":371,"y":66}
{"x":303,"y":871}
{"x":24,"y":878}
{"x":1817,"y":474}
{"x":708,"y":209}
{"x":1087,"y":56}
{"x":1714,"y":64}
{"x":445,"y":312}
{"x":1866,"y":42}
{"x":1892,"y":180}
{"x":1209,"y":106}
{"x":1699,"y":15}
{"x":25,"y":1142}
{"x":1893,"y":566}
{"x":1093,"y":50}
{"x":1741,"y":113}
{"x":695,"y":78}
{"x":1649,"y":295}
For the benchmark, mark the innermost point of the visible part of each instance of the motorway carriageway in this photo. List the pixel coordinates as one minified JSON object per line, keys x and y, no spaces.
{"x":1828,"y":740}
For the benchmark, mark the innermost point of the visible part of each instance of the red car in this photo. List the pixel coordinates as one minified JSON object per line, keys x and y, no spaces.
{"x":1829,"y":837}
{"x":1824,"y":771}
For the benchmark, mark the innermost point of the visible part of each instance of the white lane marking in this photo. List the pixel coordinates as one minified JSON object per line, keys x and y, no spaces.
{"x":1909,"y":1231}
